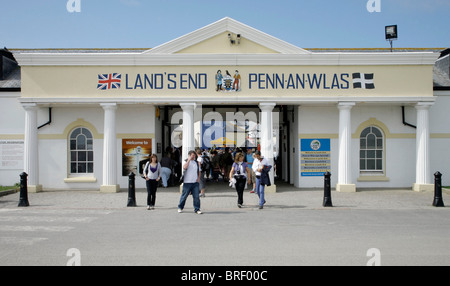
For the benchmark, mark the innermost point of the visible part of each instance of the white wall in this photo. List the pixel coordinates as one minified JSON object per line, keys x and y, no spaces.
{"x":12,"y":124}
{"x":399,"y":152}
{"x":53,"y":156}
{"x":321,"y":120}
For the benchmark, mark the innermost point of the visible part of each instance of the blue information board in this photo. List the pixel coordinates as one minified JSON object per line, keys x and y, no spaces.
{"x":315,"y":157}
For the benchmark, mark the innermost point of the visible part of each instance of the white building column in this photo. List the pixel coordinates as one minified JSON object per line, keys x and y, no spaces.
{"x":188,"y":128}
{"x":266,"y":139}
{"x":109,"y":150}
{"x":31,"y":150}
{"x":345,"y":182}
{"x":198,"y":117}
{"x":423,"y":171}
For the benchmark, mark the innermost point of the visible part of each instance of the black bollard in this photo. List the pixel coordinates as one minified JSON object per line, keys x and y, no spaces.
{"x":438,"y":202}
{"x":131,"y":190}
{"x":23,"y":201}
{"x":327,"y":190}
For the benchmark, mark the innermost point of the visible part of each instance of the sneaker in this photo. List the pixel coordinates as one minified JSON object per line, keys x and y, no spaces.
{"x":148,"y":207}
{"x":199,"y":212}
{"x":260,"y":207}
{"x":180,"y":210}
{"x":252,"y":192}
{"x":239,"y":205}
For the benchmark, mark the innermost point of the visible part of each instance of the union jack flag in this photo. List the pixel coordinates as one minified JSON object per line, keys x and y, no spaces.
{"x":109,"y":81}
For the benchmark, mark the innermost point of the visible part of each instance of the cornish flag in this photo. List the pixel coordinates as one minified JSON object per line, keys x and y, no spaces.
{"x":363,"y":80}
{"x":109,"y":81}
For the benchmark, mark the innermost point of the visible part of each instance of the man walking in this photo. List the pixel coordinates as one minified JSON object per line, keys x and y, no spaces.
{"x":192,"y":171}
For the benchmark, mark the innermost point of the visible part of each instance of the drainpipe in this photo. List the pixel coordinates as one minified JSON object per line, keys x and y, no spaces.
{"x":403,"y":118}
{"x":49,"y":118}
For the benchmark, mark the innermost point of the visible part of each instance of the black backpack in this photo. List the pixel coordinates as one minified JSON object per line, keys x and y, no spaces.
{"x":206,"y":165}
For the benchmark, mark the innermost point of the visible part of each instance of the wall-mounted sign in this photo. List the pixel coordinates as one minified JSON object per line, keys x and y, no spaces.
{"x":315,"y":157}
{"x":225,"y":82}
{"x":135,"y":153}
{"x":11,"y":154}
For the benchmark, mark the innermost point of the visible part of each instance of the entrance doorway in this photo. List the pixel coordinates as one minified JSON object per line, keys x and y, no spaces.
{"x":235,"y":128}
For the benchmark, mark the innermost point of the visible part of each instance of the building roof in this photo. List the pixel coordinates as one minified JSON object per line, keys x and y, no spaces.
{"x":9,"y":71}
{"x":441,"y":71}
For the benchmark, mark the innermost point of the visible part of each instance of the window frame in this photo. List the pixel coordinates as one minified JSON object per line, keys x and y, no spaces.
{"x":80,"y":152}
{"x":377,"y":151}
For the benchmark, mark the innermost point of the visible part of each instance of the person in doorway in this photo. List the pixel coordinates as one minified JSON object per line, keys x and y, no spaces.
{"x":241,"y":173}
{"x":152,"y":175}
{"x":226,"y":162}
{"x":202,"y":182}
{"x":166,"y":169}
{"x":249,"y":159}
{"x":215,"y":166}
{"x":258,"y":165}
{"x":192,"y":171}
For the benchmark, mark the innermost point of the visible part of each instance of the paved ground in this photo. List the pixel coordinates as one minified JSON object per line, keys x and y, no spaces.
{"x":292,"y":229}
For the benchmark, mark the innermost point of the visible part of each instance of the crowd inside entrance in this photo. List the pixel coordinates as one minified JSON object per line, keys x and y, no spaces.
{"x":216,"y":165}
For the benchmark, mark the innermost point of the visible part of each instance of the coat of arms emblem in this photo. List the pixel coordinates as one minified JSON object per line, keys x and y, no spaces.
{"x":228,"y":83}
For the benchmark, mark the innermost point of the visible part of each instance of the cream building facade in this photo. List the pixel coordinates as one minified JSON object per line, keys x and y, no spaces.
{"x":317,"y":111}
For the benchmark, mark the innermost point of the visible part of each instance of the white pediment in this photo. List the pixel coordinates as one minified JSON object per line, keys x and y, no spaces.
{"x":213,"y":39}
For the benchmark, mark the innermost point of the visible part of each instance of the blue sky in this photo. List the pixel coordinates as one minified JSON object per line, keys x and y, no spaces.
{"x":149,"y":23}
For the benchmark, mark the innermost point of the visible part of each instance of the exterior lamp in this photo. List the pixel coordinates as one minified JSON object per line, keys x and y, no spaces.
{"x":391,"y":33}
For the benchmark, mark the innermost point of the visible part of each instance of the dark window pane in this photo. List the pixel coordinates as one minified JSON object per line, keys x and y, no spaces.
{"x":81,"y":142}
{"x":379,"y":143}
{"x":362,"y":154}
{"x":365,"y":132}
{"x":73,"y":144}
{"x":362,"y":143}
{"x":379,"y":154}
{"x":73,"y":156}
{"x":89,"y":144}
{"x":362,"y":164}
{"x":82,"y":156}
{"x":377,"y":132}
{"x":379,"y":165}
{"x":81,"y":168}
{"x":75,"y":133}
{"x":371,"y":141}
{"x":87,"y":133}
{"x":90,"y":156}
{"x":371,"y":164}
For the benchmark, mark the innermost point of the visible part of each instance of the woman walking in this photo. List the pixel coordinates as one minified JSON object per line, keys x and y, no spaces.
{"x":152,"y":175}
{"x":241,"y":173}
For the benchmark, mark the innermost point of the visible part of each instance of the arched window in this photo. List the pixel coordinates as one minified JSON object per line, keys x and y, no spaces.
{"x":81,"y":151}
{"x":371,"y":154}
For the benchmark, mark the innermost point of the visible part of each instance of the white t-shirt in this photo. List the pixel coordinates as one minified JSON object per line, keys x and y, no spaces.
{"x":191,"y":174}
{"x":257,"y":164}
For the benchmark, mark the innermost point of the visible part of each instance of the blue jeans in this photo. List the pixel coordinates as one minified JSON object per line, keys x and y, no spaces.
{"x":260,"y":191}
{"x":187,"y":189}
{"x":165,"y":175}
